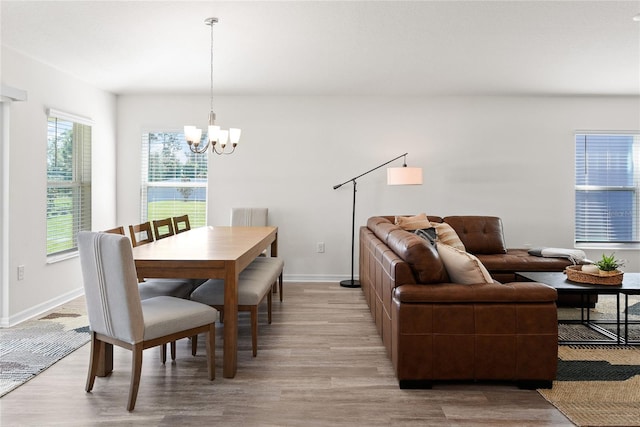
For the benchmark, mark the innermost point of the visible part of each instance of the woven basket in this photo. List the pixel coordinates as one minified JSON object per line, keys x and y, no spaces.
{"x":575,"y":274}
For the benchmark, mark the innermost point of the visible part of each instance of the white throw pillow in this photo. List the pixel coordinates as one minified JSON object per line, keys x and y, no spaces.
{"x":463,"y":267}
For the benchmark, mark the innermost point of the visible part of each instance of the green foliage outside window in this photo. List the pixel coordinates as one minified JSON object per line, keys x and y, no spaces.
{"x":175,"y":182}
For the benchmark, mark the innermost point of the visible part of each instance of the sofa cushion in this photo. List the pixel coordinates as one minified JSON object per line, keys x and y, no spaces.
{"x":479,"y":234}
{"x":520,"y":260}
{"x":447,"y":235}
{"x":421,"y":256}
{"x":462,"y":267}
{"x":413,"y":222}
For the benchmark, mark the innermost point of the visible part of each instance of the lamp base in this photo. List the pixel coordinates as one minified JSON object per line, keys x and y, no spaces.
{"x":350,"y":283}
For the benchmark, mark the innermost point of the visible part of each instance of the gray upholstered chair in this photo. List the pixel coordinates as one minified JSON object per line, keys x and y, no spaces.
{"x":180,"y":288}
{"x":249,"y":217}
{"x":118,"y":316}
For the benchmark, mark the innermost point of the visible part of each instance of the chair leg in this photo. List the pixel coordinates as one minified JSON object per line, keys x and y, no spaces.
{"x":269,"y":300}
{"x":136,"y":368}
{"x":254,"y":329}
{"x":94,"y":361}
{"x":163,"y":353}
{"x":280,"y":286}
{"x":211,"y":351}
{"x":173,"y":350}
{"x":194,"y":345}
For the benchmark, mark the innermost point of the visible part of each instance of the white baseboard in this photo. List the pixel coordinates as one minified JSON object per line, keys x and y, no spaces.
{"x":315,"y":278}
{"x":32,"y":312}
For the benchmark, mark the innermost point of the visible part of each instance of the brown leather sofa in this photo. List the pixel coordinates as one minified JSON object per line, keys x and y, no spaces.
{"x":435,"y":330}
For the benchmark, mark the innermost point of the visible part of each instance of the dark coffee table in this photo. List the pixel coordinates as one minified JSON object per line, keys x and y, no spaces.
{"x":630,"y":286}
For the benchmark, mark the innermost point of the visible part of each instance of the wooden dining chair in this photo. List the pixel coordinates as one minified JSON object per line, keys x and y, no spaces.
{"x":118,"y":316}
{"x":181,"y":224}
{"x":140,"y":234}
{"x":163,"y":228}
{"x":116,"y":230}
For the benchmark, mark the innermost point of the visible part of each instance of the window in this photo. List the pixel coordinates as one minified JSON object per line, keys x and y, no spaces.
{"x":607,"y":189}
{"x":68,"y":181}
{"x":174,"y":180}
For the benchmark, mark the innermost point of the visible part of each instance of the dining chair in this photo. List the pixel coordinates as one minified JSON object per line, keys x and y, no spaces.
{"x":116,"y":230}
{"x":249,"y":217}
{"x":163,"y":228}
{"x":181,"y":223}
{"x":254,"y":217}
{"x":141,"y":234}
{"x":118,"y":316}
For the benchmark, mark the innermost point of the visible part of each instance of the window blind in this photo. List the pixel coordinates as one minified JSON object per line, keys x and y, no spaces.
{"x":607,"y":188}
{"x":174,"y":180}
{"x":68,"y":181}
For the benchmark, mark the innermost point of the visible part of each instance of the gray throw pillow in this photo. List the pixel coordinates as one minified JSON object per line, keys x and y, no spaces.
{"x":429,"y":234}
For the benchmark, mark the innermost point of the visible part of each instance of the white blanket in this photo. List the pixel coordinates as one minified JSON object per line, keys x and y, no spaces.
{"x":576,"y":256}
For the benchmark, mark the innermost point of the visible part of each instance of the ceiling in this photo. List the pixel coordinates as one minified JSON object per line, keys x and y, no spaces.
{"x":336,"y":47}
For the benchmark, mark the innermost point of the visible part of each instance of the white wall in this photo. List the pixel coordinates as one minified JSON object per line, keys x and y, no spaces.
{"x":506,"y":156}
{"x":45,"y":285}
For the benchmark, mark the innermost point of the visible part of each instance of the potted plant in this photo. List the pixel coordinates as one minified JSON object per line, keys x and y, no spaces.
{"x":608,"y":265}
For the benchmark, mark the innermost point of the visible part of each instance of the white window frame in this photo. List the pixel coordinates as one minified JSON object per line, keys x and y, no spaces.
{"x":146,"y":184}
{"x":81,"y":182}
{"x":635,"y":188}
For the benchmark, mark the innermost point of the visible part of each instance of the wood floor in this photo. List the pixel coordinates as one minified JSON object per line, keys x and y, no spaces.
{"x":320,"y":363}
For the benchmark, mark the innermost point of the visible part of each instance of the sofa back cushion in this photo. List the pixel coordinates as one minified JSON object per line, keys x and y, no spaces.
{"x":479,"y":234}
{"x":421,"y":255}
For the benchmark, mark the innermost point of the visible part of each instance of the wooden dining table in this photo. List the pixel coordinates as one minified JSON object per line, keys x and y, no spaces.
{"x":209,"y":253}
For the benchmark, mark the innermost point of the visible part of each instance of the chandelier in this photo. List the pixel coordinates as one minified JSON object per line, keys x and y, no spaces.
{"x":216,"y":137}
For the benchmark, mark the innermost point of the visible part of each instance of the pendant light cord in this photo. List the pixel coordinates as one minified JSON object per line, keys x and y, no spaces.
{"x":211,"y":69}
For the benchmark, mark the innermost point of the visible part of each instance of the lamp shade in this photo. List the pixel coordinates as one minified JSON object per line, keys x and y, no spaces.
{"x":404,"y":176}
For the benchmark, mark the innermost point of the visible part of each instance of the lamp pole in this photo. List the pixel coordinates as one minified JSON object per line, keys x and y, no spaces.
{"x":352,"y":283}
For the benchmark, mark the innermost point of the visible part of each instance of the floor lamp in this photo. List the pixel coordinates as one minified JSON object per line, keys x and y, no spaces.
{"x":395,"y":176}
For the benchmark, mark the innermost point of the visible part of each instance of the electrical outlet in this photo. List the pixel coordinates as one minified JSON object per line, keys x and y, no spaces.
{"x":21,"y":272}
{"x":320,"y":247}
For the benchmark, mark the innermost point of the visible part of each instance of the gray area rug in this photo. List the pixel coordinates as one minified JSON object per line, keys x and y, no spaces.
{"x":34,"y":345}
{"x":634,"y":309}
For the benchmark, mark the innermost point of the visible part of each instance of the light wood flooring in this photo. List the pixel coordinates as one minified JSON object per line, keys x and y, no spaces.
{"x":320,"y":363}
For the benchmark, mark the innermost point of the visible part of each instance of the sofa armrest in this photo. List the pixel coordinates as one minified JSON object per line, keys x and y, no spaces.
{"x":516,"y":292}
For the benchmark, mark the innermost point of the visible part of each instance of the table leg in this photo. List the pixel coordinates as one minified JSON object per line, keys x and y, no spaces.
{"x":626,"y":318}
{"x":274,"y":246}
{"x":618,"y":317}
{"x":230,"y":354}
